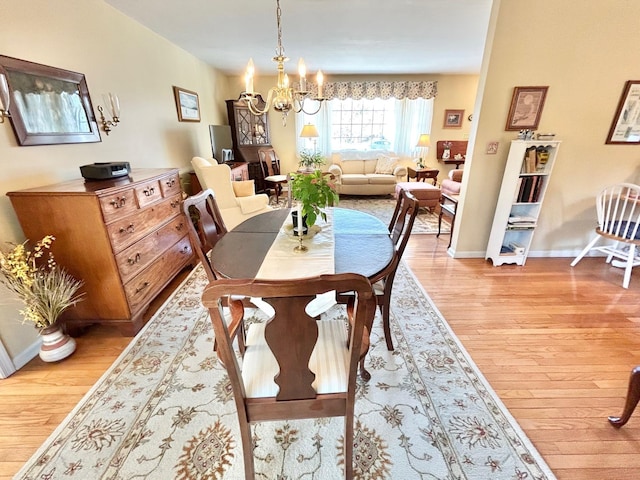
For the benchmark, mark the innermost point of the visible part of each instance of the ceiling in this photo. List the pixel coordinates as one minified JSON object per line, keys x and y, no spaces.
{"x":337,"y":36}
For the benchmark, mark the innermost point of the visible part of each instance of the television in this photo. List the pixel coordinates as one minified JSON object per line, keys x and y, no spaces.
{"x":221,"y":143}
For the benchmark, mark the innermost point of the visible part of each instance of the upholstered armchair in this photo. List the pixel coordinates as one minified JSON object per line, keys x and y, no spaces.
{"x":237,"y":201}
{"x":451,"y":185}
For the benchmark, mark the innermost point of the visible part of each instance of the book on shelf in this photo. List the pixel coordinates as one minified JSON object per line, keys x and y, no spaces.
{"x":529,"y":188}
{"x":506,"y":250}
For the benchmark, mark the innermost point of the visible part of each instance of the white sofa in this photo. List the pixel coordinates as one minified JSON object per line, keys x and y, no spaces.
{"x":234,"y":208}
{"x":367,"y":173}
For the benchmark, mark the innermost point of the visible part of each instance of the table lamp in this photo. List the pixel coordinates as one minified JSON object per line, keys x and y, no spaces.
{"x":310,"y":131}
{"x":423,"y":142}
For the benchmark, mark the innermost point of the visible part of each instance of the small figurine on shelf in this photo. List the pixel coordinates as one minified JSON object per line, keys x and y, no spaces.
{"x":446,"y":154}
{"x":525,"y":134}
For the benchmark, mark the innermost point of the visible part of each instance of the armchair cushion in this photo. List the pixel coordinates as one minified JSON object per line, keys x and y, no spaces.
{"x":253,"y":203}
{"x":244,"y":188}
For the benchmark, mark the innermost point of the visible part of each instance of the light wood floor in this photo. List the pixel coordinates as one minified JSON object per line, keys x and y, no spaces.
{"x":556,"y":343}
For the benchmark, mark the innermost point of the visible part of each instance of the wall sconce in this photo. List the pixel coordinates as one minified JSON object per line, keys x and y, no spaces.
{"x":113,"y":104}
{"x":5,"y":98}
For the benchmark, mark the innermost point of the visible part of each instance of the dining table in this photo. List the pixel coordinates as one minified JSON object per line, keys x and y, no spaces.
{"x":349,"y":242}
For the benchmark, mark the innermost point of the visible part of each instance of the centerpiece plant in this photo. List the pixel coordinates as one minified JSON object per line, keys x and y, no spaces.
{"x":314,"y":191}
{"x":45,"y":288}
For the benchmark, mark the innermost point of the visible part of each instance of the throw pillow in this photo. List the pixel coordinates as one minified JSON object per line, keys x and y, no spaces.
{"x":244,"y":188}
{"x":386,"y":164}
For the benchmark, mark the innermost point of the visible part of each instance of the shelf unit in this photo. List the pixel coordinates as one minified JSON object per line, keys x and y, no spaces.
{"x":524,"y":184}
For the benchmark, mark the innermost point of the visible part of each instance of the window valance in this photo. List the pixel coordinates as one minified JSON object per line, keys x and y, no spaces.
{"x":372,"y":90}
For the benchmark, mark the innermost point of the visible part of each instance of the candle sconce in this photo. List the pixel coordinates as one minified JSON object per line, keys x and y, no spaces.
{"x":113,"y":104}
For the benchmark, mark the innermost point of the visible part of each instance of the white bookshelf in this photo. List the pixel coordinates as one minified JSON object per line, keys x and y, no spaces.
{"x":524,"y":184}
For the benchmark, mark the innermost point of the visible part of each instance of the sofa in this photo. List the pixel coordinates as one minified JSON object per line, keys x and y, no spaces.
{"x":452,"y":184}
{"x":367,"y":173}
{"x":237,"y":201}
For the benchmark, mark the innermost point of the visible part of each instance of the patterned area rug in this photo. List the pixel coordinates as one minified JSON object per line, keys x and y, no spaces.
{"x":382,"y":207}
{"x":164,"y":410}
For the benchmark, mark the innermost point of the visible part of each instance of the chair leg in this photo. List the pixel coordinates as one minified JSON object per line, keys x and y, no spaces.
{"x":633,"y":396}
{"x":629,"y":266}
{"x":348,"y":445}
{"x":385,"y":307}
{"x":585,"y":251}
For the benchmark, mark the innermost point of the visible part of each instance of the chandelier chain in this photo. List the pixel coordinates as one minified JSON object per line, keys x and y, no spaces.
{"x":280,"y":50}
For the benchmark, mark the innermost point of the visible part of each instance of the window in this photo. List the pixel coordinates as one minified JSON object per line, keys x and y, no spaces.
{"x":362,"y":124}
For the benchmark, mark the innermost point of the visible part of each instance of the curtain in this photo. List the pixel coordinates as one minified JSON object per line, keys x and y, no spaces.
{"x":413,"y":118}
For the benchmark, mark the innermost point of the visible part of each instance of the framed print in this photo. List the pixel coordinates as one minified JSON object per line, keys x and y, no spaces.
{"x":526,"y":108}
{"x":625,"y":128}
{"x":48,"y":105}
{"x":453,"y":118}
{"x":187,"y":104}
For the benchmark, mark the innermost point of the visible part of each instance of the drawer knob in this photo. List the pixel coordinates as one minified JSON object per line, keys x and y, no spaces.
{"x":129,"y":229}
{"x":174,"y":203}
{"x":142,"y":287}
{"x":119,"y":202}
{"x":134,"y":260}
{"x":149,"y":191}
{"x":179,"y":227}
{"x":171,"y":183}
{"x":186,"y":250}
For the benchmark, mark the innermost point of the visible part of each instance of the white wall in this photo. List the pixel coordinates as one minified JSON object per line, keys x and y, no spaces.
{"x":584,"y":50}
{"x":116,"y":55}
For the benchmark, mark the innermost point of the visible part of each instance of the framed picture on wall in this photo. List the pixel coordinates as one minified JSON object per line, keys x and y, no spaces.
{"x":48,"y":105}
{"x":526,"y":108}
{"x":187,"y":104}
{"x":625,"y":128}
{"x":453,"y":118}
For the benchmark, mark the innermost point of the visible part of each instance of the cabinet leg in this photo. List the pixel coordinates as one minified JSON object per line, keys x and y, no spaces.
{"x":633,"y":396}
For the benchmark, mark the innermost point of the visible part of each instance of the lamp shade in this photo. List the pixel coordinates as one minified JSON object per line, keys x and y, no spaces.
{"x":309,"y":131}
{"x":424,"y":140}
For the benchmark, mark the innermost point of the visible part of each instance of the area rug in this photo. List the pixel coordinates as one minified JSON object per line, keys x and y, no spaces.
{"x":164,"y":410}
{"x":382,"y":207}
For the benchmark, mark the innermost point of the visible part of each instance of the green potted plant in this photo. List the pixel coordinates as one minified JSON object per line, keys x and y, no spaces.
{"x":314,"y":191}
{"x":310,"y":160}
{"x":45,"y":289}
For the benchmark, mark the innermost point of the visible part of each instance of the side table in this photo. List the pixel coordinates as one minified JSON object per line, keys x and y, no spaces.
{"x":448,"y":205}
{"x":422,"y":174}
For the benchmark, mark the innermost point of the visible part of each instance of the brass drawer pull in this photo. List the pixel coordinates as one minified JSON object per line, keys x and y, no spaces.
{"x":180,"y":226}
{"x":118,"y":203}
{"x":149,"y":191}
{"x":175,"y":203}
{"x":141,"y":288}
{"x":171,"y":183}
{"x":129,"y":229}
{"x":134,"y":260}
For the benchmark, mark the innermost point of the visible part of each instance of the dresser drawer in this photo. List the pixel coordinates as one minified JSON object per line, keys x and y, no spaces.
{"x":142,"y":253}
{"x":170,"y":185}
{"x":144,"y":287}
{"x":118,"y":205}
{"x":126,"y":231}
{"x":148,"y":193}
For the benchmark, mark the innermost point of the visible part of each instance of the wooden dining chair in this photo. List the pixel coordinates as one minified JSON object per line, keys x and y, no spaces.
{"x":270,"y":164}
{"x":618,"y":225}
{"x":400,"y":228}
{"x":294,"y":366}
{"x":205,"y":228}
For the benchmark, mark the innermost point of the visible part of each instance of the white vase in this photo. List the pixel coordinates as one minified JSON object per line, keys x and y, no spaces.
{"x":56,"y":344}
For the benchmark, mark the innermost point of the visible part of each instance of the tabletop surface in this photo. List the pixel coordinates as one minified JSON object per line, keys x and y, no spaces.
{"x":362,"y":244}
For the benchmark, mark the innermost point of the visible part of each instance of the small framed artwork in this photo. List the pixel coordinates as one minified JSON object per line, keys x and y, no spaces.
{"x":47,"y":105}
{"x":492,"y":148}
{"x":187,"y":104}
{"x":625,"y":128}
{"x":453,"y":118}
{"x":526,"y":108}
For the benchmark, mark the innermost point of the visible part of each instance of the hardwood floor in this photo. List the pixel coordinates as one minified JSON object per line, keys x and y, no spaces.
{"x":556,"y":343}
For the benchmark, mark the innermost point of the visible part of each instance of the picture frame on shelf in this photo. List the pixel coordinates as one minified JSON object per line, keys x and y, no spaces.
{"x":453,"y":118}
{"x":48,"y":105}
{"x":526,"y":107}
{"x":187,"y":104}
{"x":625,"y":127}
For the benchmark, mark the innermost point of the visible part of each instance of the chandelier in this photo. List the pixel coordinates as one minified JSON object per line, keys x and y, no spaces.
{"x":283,"y":97}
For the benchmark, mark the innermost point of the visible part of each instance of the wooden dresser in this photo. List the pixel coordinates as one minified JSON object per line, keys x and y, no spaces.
{"x":125,"y":238}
